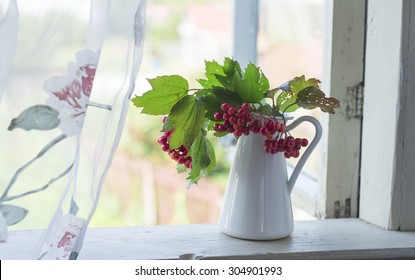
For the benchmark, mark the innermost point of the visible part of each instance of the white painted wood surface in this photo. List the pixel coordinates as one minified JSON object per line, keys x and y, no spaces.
{"x":403,"y":196}
{"x":388,"y":151}
{"x":245,"y":30}
{"x":323,"y":239}
{"x":343,"y":68}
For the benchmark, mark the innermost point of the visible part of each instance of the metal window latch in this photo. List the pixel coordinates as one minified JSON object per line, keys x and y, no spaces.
{"x":338,"y":209}
{"x":354,"y":101}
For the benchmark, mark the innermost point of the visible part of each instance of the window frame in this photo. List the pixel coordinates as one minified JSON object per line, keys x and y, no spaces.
{"x":387,"y":174}
{"x":356,"y":41}
{"x":325,"y":197}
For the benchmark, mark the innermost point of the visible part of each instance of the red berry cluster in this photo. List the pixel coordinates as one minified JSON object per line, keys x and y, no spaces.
{"x":235,"y":120}
{"x":270,"y":127}
{"x":239,"y":121}
{"x":290,"y":146}
{"x":180,"y":155}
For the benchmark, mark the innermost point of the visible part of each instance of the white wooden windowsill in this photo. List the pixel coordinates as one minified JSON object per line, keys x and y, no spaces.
{"x":322,"y":239}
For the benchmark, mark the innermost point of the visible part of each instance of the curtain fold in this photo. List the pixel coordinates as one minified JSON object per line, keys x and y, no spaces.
{"x":67,"y":72}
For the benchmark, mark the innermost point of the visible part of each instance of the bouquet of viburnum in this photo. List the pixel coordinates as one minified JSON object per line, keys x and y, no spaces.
{"x":230,"y":100}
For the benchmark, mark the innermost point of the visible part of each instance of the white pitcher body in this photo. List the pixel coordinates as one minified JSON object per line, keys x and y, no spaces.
{"x":257,"y":203}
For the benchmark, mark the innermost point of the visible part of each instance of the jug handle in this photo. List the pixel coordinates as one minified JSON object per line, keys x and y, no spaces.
{"x":308,"y":151}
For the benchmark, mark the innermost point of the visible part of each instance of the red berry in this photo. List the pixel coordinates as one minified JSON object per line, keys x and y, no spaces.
{"x":277,"y":126}
{"x":181,"y":160}
{"x":182,"y":149}
{"x":225,"y":106}
{"x":175,"y":155}
{"x":255,"y":128}
{"x":295,"y":153}
{"x":241,"y":122}
{"x":287,"y":155}
{"x":274,"y":144}
{"x":238,"y":133}
{"x":227,"y":123}
{"x":271,"y":130}
{"x":233,"y":120}
{"x":264,"y":131}
{"x":225,"y":116}
{"x":162,"y":140}
{"x":216,"y":127}
{"x":188,"y":162}
{"x":245,"y":131}
{"x":304,"y":142}
{"x":217,"y":116}
{"x":269,"y":124}
{"x":248,"y":118}
{"x":245,"y":107}
{"x":232,"y":111}
{"x":241,"y":113}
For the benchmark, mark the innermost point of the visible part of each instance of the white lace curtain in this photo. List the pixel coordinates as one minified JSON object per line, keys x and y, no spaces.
{"x":67,"y":72}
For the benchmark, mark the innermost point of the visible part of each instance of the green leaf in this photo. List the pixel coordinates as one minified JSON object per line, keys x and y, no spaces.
{"x":312,"y":97}
{"x":218,"y":96}
{"x":212,"y":156}
{"x":187,"y":117}
{"x":40,"y":117}
{"x":165,"y":93}
{"x":253,"y":86}
{"x":168,"y":125}
{"x":203,"y":158}
{"x":272,"y":92}
{"x":12,"y":214}
{"x":220,"y":134}
{"x":265,"y":109}
{"x":211,"y":104}
{"x":224,"y":95}
{"x":181,"y":168}
{"x":232,"y":69}
{"x":289,"y":105}
{"x":300,"y":83}
{"x":212,"y":68}
{"x":287,"y":99}
{"x":283,"y":97}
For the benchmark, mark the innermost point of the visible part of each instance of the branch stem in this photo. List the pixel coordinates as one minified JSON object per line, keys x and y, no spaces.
{"x":21,"y":169}
{"x":8,"y":198}
{"x":99,"y":105}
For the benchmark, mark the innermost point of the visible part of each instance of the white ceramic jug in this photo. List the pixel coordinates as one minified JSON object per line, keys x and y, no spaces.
{"x":257,"y":202}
